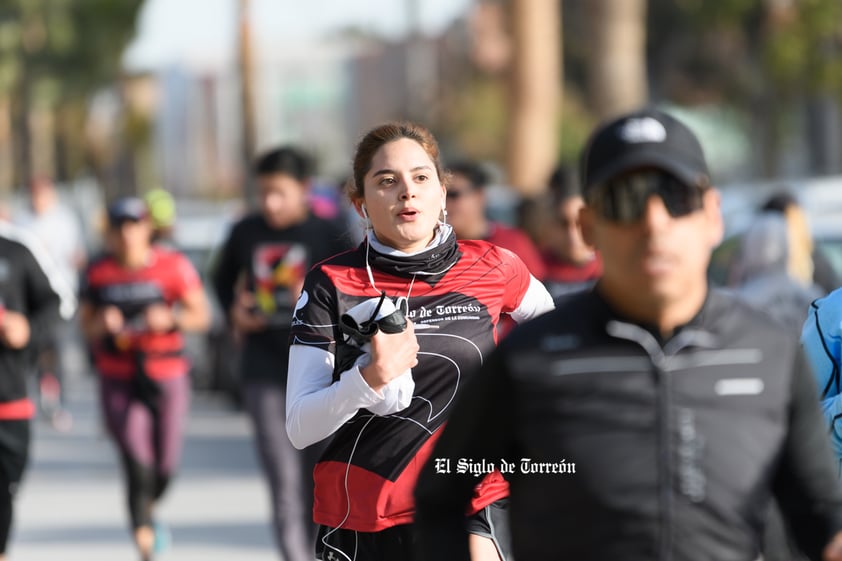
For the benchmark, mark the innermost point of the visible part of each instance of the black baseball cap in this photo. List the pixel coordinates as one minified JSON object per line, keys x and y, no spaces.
{"x":647,"y":138}
{"x":127,"y":209}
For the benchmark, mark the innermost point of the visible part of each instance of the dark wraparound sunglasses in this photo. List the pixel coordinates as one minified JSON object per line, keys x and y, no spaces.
{"x":456,"y":195}
{"x":624,"y":199}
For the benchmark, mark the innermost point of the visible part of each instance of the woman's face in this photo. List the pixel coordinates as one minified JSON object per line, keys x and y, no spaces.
{"x":130,"y":239}
{"x":403,"y":195}
{"x":283,"y":199}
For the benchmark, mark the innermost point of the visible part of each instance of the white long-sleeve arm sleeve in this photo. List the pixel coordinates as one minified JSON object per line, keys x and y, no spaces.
{"x":316,"y":408}
{"x":536,"y":301}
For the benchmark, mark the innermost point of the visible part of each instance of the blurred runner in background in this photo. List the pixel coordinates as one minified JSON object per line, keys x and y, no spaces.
{"x":466,"y":213}
{"x":136,"y":302}
{"x":61,"y":355}
{"x":257,"y":278}
{"x":162,"y":214}
{"x":571,"y":264}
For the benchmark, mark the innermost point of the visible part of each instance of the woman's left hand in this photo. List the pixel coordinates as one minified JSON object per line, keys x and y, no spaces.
{"x":159,"y":318}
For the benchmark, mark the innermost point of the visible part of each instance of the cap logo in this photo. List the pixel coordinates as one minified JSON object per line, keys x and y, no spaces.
{"x":645,"y":129}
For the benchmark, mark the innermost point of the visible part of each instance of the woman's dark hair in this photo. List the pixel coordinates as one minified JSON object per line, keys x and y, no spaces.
{"x":286,"y":160}
{"x":472,"y":171}
{"x":564,"y":184}
{"x":384,"y":134}
{"x":779,"y":202}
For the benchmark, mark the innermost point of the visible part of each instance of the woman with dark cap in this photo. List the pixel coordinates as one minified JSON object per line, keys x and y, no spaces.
{"x":137,"y":301}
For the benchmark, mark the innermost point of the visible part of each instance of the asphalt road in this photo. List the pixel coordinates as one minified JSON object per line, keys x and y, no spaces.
{"x":71,"y":504}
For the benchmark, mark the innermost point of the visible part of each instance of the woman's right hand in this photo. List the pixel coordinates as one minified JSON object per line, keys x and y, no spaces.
{"x":112,"y":320}
{"x":391,"y":356}
{"x":242,"y":314}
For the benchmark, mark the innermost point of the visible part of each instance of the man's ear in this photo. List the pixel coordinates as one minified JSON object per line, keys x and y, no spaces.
{"x":713,"y":212}
{"x":586,"y":223}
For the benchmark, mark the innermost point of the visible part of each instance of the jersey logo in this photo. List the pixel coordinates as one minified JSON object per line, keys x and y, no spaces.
{"x":739,"y":386}
{"x":299,"y":305}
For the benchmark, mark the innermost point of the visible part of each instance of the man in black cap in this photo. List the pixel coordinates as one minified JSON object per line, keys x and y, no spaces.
{"x":652,"y":417}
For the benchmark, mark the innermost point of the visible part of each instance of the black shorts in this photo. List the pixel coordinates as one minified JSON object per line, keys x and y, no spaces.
{"x":492,"y":522}
{"x":398,"y":542}
{"x":14,"y":453}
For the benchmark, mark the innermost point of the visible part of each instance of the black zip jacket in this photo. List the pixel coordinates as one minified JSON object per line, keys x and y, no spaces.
{"x":620,"y":445}
{"x":24,"y":288}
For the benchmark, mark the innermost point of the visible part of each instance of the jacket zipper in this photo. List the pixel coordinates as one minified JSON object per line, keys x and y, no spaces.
{"x":663,"y":397}
{"x":663,"y":386}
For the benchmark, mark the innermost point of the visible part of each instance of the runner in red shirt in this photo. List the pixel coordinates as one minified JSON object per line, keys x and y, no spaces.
{"x":381,"y":406}
{"x":136,"y":302}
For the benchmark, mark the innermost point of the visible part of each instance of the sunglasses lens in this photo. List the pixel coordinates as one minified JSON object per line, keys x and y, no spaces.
{"x":454,"y":195}
{"x":624,"y":199}
{"x":679,"y":198}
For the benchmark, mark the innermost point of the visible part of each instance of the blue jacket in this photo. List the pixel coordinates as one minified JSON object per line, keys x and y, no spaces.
{"x":822,"y":341}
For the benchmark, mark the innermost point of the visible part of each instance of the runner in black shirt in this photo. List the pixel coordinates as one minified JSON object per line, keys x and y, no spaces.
{"x":257,"y":279}
{"x":31,"y":300}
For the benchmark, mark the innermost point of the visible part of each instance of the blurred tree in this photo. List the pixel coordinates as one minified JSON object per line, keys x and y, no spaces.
{"x":535,"y":93}
{"x":54,"y":55}
{"x":504,"y":90}
{"x":616,"y":75}
{"x":776,"y":60}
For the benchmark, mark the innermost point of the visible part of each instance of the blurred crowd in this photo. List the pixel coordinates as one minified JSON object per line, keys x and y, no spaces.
{"x":134,"y":307}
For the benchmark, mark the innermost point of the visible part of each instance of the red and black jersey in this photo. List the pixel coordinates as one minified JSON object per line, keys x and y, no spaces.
{"x":456,"y":314}
{"x":167,"y":276}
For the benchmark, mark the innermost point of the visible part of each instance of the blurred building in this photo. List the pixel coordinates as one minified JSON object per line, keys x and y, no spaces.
{"x":321,"y":95}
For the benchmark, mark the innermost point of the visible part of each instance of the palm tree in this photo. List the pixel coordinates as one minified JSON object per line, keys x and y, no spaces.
{"x":617,"y":56}
{"x":535,"y":93}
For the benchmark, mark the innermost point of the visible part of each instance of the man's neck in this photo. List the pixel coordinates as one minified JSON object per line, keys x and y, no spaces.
{"x":666,"y":316}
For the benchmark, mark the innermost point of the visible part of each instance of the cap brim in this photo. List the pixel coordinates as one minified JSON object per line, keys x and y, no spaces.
{"x":119,"y":219}
{"x":642,"y":159}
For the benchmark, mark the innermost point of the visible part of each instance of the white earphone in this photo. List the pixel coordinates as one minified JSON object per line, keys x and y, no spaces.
{"x":365,"y":213}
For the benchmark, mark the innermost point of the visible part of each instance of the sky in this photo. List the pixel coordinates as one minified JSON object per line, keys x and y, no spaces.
{"x":173,"y":31}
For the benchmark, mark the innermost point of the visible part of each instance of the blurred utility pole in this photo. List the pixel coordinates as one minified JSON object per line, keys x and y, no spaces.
{"x":536,"y":89}
{"x":421,"y":68}
{"x":246,"y":65}
{"x":617,"y":56}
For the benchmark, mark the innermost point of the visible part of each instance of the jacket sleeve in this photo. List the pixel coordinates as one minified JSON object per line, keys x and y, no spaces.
{"x":43,"y":300}
{"x":806,"y":483}
{"x":821,"y":339}
{"x":480,"y":427}
{"x":225,"y":271}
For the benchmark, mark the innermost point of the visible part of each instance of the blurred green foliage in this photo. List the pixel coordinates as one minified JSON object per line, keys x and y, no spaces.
{"x":54,"y":56}
{"x":76,"y":45}
{"x":792,"y":46}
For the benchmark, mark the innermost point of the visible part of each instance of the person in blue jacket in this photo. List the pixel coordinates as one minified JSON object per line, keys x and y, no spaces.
{"x":822,"y":342}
